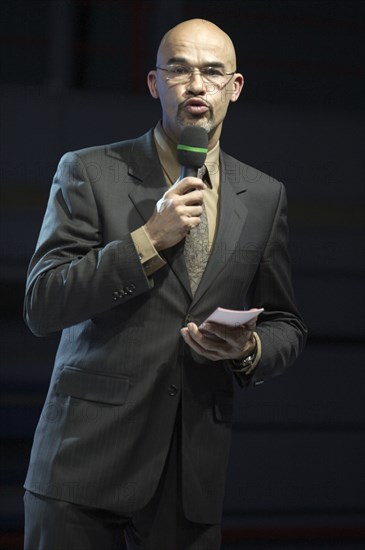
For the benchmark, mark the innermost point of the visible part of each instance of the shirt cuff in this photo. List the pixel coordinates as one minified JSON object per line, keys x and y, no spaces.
{"x":248,"y":370}
{"x":150,"y":259}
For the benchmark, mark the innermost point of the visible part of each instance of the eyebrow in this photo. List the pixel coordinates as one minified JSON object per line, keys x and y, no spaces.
{"x":177,"y":59}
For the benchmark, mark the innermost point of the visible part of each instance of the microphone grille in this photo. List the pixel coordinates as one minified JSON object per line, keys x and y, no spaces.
{"x":193,"y":147}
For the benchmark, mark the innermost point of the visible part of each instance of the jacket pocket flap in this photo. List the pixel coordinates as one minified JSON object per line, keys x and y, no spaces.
{"x":223,"y":407}
{"x":92,"y":386}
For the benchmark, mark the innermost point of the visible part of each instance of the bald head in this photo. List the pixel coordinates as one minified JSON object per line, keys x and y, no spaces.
{"x":195,"y":34}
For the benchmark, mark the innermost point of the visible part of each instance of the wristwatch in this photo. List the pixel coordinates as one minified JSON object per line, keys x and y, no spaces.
{"x":246,"y":364}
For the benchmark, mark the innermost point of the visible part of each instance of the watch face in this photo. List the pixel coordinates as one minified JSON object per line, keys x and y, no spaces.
{"x":247,"y":361}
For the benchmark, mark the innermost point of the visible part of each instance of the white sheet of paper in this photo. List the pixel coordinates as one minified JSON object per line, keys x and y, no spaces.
{"x":233,"y":317}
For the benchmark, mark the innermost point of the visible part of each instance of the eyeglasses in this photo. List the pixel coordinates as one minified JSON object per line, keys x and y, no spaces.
{"x":182,"y":73}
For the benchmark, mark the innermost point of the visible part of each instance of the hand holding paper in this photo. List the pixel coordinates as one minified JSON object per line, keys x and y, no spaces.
{"x":223,"y":335}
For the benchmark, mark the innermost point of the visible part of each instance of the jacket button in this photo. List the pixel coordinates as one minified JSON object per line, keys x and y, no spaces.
{"x":188,"y":319}
{"x":172,"y":390}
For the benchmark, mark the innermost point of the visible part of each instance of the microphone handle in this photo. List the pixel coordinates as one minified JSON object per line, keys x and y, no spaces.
{"x":188,"y":171}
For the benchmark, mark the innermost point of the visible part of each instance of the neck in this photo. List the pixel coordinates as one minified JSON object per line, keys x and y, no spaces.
{"x":213,"y":137}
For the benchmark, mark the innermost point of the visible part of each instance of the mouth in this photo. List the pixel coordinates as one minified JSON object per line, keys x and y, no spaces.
{"x":196,"y":106}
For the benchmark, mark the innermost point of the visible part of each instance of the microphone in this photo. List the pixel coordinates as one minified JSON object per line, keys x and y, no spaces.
{"x":192,"y":150}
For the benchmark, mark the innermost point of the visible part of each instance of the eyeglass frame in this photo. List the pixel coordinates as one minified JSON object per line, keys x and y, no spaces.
{"x":191,"y":71}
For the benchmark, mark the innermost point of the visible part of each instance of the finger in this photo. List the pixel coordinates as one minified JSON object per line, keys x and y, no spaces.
{"x":195,"y":346}
{"x":251,"y":325}
{"x":215,"y":345}
{"x":223,"y":332}
{"x":229,"y":333}
{"x":186,"y":184}
{"x":195,"y":197}
{"x":195,"y":334}
{"x":194,"y":211}
{"x":190,"y":222}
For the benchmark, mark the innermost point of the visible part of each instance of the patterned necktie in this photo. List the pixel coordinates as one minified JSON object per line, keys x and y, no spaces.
{"x":196,"y":249}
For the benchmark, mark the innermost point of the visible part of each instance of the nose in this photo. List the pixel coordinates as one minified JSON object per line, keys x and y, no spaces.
{"x":196,"y":84}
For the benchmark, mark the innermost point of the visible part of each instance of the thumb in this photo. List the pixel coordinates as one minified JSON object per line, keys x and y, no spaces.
{"x":251,"y":325}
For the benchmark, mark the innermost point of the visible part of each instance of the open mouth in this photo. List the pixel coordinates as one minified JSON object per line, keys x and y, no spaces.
{"x":196,"y":106}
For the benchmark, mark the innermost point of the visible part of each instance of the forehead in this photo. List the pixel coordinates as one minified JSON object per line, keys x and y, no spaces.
{"x":196,"y":48}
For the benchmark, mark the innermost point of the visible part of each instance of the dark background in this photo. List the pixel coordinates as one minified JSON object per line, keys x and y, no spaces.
{"x":73,"y":74}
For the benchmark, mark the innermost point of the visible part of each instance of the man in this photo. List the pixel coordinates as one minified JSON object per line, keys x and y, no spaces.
{"x":135,"y":431}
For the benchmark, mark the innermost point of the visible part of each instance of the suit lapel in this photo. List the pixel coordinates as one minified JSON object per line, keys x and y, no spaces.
{"x":144,"y":166}
{"x":232,"y":217}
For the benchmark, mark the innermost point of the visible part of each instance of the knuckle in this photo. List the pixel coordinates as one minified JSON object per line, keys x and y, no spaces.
{"x":175,"y":203}
{"x":185,"y":222}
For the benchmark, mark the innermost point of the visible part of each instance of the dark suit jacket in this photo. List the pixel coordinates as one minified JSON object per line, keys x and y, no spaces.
{"x":122,"y":367}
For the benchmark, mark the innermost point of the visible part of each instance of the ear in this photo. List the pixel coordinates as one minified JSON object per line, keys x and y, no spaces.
{"x":152,"y":84}
{"x":238,"y":84}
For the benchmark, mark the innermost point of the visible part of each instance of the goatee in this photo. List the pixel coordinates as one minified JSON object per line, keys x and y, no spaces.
{"x":184,"y":121}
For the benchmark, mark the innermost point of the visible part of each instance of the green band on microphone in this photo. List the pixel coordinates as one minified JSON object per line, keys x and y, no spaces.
{"x":192,"y":149}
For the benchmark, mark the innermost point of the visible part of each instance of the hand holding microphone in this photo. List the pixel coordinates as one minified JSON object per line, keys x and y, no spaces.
{"x":180,"y":208}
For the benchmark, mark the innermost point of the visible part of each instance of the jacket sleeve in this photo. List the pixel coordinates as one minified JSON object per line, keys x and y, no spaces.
{"x":280,"y":327}
{"x":74,"y":275}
